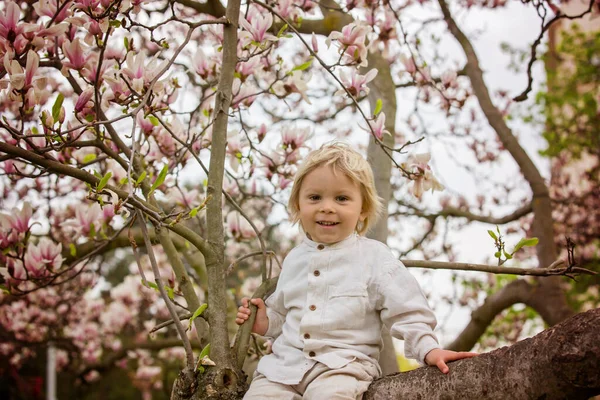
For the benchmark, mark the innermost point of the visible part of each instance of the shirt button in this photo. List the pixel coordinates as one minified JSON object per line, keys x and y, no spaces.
{"x":307,"y":336}
{"x":321,"y":246}
{"x":312,"y":354}
{"x":312,"y":307}
{"x":317,"y":273}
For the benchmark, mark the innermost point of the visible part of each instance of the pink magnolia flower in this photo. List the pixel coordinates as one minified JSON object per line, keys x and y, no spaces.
{"x":256,"y":29}
{"x":293,"y":138}
{"x":204,"y":65}
{"x":12,"y":33}
{"x":20,"y":218}
{"x":86,"y":216}
{"x":352,"y":40}
{"x":48,"y":8}
{"x":293,"y":84}
{"x":183,"y":197}
{"x":287,"y":9}
{"x":377,"y":126}
{"x":22,"y":78}
{"x":449,"y":79}
{"x":249,"y":67}
{"x":244,"y":94}
{"x":75,"y":53}
{"x":139,"y":72}
{"x":239,"y":228}
{"x":146,"y":126}
{"x":424,"y":180}
{"x":43,"y":257}
{"x":409,"y":64}
{"x":83,"y":99}
{"x":356,"y":83}
{"x":314,"y":43}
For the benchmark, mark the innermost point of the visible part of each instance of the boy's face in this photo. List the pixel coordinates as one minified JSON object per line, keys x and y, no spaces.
{"x":330,"y":205}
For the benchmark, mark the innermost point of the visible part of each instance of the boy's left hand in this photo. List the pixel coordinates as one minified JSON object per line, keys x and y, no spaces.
{"x":439,"y":357}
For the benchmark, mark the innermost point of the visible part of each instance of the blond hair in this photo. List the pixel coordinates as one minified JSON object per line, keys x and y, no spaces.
{"x":350,"y":162}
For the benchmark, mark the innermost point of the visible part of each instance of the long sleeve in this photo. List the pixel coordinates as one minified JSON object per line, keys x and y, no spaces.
{"x":405,"y":310}
{"x":276,"y":313}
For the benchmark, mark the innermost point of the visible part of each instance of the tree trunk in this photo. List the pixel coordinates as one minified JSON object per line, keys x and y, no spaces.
{"x":560,"y":363}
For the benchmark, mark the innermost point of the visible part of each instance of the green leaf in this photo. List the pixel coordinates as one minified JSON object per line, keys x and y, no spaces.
{"x":196,"y":314}
{"x":57,"y":105}
{"x":153,"y":286}
{"x":160,"y":179}
{"x":530,"y":242}
{"x":492,"y":234}
{"x":304,"y":66}
{"x":497,"y":254}
{"x":193,"y":213}
{"x":141,"y":178}
{"x":153,"y":120}
{"x":283,"y":29}
{"x":123,"y":180}
{"x":72,"y":250}
{"x":170,"y":292}
{"x":201,"y":369}
{"x":4,"y":289}
{"x":507,"y":255}
{"x":126,"y":43}
{"x":205,"y":351}
{"x":378,"y":107}
{"x":89,"y":158}
{"x":103,"y":181}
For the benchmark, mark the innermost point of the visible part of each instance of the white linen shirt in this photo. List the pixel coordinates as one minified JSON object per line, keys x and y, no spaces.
{"x":330,"y":303}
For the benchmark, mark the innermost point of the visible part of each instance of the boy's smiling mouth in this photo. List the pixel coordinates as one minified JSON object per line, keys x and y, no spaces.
{"x":327,"y":223}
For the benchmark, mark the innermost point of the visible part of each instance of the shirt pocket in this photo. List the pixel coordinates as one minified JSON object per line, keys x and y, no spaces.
{"x":346,"y":307}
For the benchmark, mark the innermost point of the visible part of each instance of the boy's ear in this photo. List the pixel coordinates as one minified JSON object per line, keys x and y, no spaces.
{"x":363,"y":216}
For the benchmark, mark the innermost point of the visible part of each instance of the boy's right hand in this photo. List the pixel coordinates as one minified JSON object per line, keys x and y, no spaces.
{"x":261,"y":323}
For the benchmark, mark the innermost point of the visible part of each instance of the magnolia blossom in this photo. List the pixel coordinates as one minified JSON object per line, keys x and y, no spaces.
{"x":183,"y":197}
{"x":205,"y":66}
{"x":43,"y":257}
{"x":293,"y":84}
{"x":12,"y":32}
{"x":377,"y":126}
{"x":87,"y":218}
{"x":424,"y":180}
{"x":256,"y":29}
{"x":141,"y":73}
{"x":239,"y":228}
{"x":77,"y":57}
{"x":352,"y":40}
{"x":409,"y":64}
{"x":356,"y":83}
{"x":293,"y":138}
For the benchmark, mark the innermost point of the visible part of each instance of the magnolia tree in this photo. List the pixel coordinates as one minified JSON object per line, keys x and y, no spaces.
{"x":147,"y":150}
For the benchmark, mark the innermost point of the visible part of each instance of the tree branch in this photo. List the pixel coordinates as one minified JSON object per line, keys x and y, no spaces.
{"x":560,"y":363}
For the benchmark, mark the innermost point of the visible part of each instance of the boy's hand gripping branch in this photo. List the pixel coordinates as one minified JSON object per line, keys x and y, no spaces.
{"x":261,"y":323}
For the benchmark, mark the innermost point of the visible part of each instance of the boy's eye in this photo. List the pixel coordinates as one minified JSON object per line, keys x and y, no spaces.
{"x":342,"y":198}
{"x":314,"y":197}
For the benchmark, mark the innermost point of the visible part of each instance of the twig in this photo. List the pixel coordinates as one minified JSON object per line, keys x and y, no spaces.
{"x":180,"y":329}
{"x":550,"y":271}
{"x":269,"y":253}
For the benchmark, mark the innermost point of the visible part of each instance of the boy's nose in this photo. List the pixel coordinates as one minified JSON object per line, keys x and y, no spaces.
{"x":327,"y":207}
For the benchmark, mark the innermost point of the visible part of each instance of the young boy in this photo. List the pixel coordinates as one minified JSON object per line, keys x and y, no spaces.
{"x":335,"y":291}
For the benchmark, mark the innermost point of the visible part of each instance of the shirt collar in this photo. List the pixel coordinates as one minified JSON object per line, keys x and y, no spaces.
{"x":349,"y":241}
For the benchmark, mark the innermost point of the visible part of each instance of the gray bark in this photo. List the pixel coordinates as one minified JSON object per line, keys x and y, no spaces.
{"x":560,"y":363}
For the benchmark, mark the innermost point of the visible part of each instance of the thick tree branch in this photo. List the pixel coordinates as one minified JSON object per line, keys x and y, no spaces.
{"x":560,"y":363}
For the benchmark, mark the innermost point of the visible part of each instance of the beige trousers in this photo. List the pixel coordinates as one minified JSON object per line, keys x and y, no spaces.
{"x":319,"y":383}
